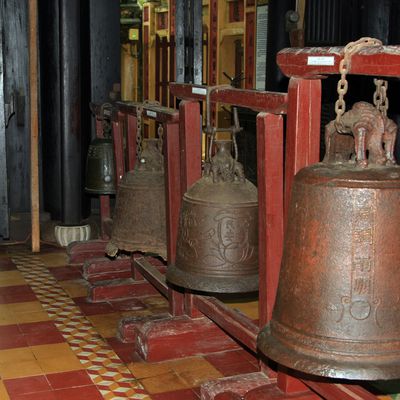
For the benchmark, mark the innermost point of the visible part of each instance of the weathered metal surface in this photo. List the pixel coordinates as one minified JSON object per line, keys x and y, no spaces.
{"x":100,"y":168}
{"x":217,"y":246}
{"x":139,"y":216}
{"x":337,"y":306}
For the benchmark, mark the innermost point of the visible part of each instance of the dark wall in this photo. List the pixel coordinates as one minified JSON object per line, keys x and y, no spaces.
{"x":105,"y":58}
{"x":15,"y":40}
{"x":80,"y":60}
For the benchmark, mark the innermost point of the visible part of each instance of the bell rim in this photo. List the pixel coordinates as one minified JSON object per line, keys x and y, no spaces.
{"x":212,"y":284}
{"x":353,"y":369}
{"x":100,"y":192}
{"x":156,"y":250}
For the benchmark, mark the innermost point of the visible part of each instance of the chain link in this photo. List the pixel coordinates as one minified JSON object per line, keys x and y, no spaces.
{"x":105,"y":115}
{"x":160,"y":134}
{"x":381,"y":101}
{"x":344,"y":66}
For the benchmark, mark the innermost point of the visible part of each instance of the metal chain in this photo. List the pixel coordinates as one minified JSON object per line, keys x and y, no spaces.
{"x":139,"y":136}
{"x":381,"y":101}
{"x":344,"y":66}
{"x":106,"y":119}
{"x":160,"y":134}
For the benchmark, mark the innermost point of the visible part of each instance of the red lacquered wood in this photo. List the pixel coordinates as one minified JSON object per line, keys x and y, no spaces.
{"x":289,"y":384}
{"x":172,"y":186}
{"x":303,"y":128}
{"x":233,"y":386}
{"x":250,"y":50}
{"x":78,"y":252}
{"x":270,"y":209}
{"x":213,"y":42}
{"x":377,"y":60}
{"x":152,"y":275}
{"x":131,"y":140}
{"x":105,"y":215}
{"x":238,"y":325}
{"x":177,"y":337}
{"x":151,"y":110}
{"x":272,"y":102}
{"x":190,"y":143}
{"x":190,"y":161}
{"x":331,"y":391}
{"x":100,"y":269}
{"x":118,"y":149}
{"x":119,"y":289}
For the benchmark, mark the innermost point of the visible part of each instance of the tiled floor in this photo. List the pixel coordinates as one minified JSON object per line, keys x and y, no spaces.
{"x":54,"y":345}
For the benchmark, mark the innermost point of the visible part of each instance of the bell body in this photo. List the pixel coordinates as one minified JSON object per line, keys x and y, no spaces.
{"x":217,"y":246}
{"x":100,"y":169}
{"x":337,"y":310}
{"x":139,"y":215}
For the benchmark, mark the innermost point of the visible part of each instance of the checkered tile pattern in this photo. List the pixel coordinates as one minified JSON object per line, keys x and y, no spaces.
{"x":107,"y":371}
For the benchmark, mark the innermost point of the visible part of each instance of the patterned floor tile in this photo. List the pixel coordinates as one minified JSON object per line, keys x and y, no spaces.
{"x":103,"y":366}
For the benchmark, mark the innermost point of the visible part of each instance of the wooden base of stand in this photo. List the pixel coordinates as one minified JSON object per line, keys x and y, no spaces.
{"x":119,"y":289}
{"x":79,"y":252}
{"x":104,"y":269}
{"x":160,"y":338}
{"x":255,"y":386}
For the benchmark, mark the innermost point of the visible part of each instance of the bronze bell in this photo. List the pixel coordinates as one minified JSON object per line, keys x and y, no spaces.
{"x":337,"y":310}
{"x":100,"y":163}
{"x":217,"y":246}
{"x":139,"y":215}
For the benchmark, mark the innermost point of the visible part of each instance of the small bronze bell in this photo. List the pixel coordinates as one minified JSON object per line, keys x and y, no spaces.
{"x":139,"y":216}
{"x":100,"y":163}
{"x":217,"y":248}
{"x":337,"y":310}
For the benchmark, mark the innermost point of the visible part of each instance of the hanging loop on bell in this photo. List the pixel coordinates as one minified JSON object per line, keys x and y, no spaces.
{"x":106,"y":110}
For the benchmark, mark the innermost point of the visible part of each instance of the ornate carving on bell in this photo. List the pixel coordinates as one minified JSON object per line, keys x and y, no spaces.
{"x":337,"y":310}
{"x":100,"y":163}
{"x":139,"y":216}
{"x":217,"y":247}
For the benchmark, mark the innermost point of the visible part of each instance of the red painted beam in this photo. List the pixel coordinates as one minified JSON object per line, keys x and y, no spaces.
{"x":152,"y":111}
{"x":308,"y":62}
{"x":272,"y":102}
{"x":237,"y":325}
{"x":152,"y":275}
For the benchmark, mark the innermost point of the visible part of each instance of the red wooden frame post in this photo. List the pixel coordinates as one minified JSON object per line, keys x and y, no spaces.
{"x":131,"y":140}
{"x":190,"y":172}
{"x":302,"y":149}
{"x":303,"y":129}
{"x":118,"y":139}
{"x":172,"y":186}
{"x":270,"y":209}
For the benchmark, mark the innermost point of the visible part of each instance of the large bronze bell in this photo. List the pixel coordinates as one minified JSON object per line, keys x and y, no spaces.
{"x":217,"y":248}
{"x":100,"y":163}
{"x":139,"y":215}
{"x":337,"y":310}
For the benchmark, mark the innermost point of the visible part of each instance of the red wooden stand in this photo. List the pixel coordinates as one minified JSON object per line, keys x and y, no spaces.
{"x":302,"y":148}
{"x":115,"y":279}
{"x":79,"y":252}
